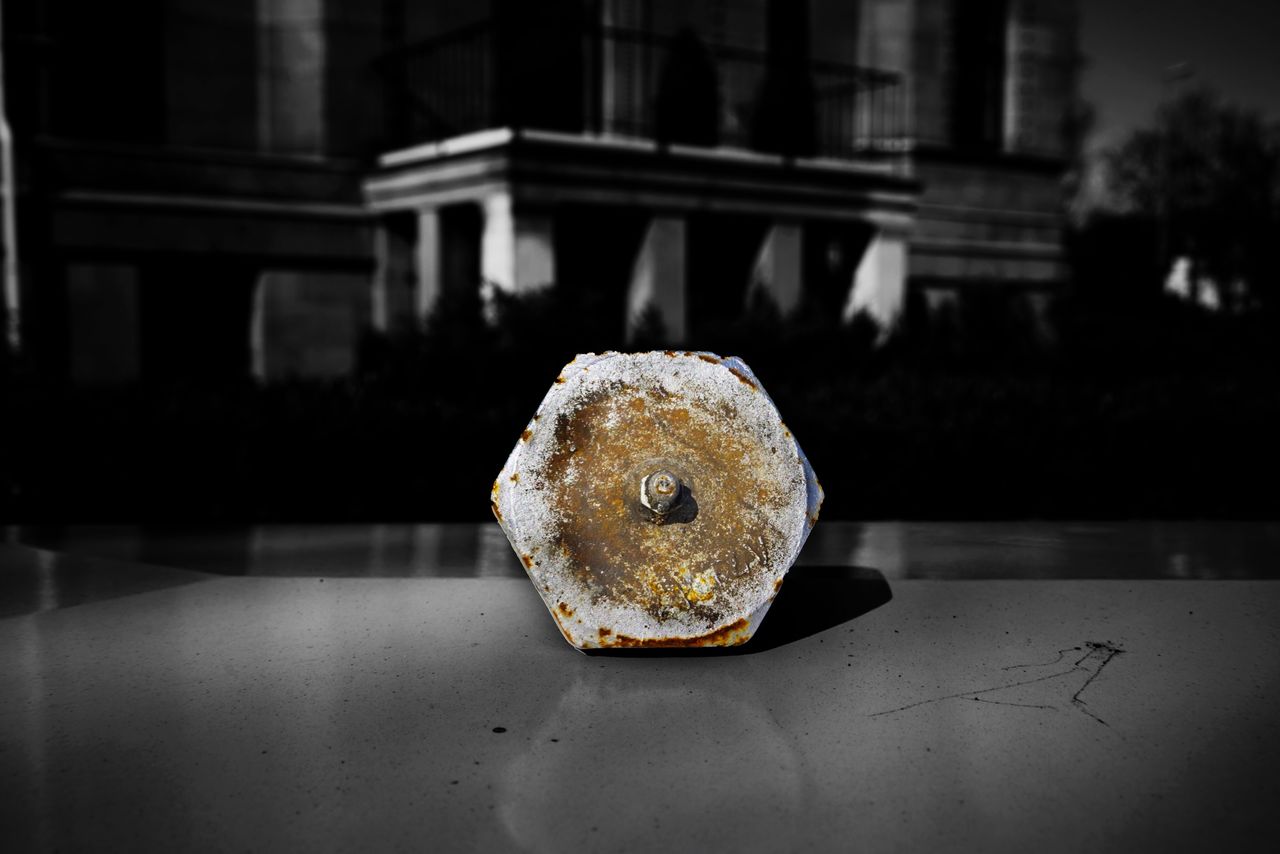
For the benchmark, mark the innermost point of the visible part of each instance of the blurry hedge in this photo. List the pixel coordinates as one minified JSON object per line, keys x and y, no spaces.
{"x":1156,"y":410}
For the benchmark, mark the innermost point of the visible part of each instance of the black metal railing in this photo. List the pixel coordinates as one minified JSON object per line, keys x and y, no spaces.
{"x":642,"y":85}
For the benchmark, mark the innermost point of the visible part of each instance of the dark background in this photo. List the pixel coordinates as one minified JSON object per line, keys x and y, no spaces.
{"x":1133,"y":402}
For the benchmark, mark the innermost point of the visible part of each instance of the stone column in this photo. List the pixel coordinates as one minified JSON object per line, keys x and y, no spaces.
{"x":428,"y":270}
{"x":517,"y":247}
{"x":777,"y":268}
{"x":880,"y":282}
{"x":658,"y":279}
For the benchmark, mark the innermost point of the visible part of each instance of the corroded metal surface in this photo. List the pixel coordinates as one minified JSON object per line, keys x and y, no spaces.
{"x":657,"y":499}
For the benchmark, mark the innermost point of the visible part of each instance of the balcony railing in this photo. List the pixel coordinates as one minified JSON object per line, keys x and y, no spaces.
{"x":641,"y":85}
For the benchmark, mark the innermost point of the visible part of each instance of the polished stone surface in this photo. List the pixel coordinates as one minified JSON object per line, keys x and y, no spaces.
{"x":1032,"y":549}
{"x":144,"y":708}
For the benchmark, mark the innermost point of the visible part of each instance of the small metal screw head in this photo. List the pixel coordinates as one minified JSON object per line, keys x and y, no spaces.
{"x":661,"y":492}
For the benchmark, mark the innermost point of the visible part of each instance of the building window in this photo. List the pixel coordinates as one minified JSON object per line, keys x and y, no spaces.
{"x":978,"y":102}
{"x":108,"y":71}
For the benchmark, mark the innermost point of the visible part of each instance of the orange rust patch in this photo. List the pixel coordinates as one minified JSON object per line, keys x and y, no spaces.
{"x":668,"y":352}
{"x":733,"y":634}
{"x":527,"y":560}
{"x":712,"y":359}
{"x":743,"y":378}
{"x":777,"y":585}
{"x":605,"y":634}
{"x":563,"y":631}
{"x":493,"y":505}
{"x":524,"y":437}
{"x":560,"y":379}
{"x":565,"y":609}
{"x":609,"y":440}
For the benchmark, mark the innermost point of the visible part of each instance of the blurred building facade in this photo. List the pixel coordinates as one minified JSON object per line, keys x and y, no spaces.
{"x":222,"y":188}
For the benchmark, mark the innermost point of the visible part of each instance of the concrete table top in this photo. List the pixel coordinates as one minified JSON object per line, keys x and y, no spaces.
{"x":190,"y":711}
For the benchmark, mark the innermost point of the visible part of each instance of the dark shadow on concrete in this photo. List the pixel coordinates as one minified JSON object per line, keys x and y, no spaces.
{"x":813,"y":599}
{"x":816,"y":598}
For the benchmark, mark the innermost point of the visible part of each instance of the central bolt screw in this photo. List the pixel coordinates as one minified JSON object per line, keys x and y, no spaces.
{"x":661,"y":492}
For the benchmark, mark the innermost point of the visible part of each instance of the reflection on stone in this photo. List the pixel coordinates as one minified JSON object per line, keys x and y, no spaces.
{"x":898,"y":550}
{"x":640,"y":761}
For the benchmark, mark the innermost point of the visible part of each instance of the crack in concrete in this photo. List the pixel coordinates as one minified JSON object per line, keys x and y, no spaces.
{"x":1094,"y":652}
{"x":1103,"y":653}
{"x":1061,"y":653}
{"x":1019,"y":705}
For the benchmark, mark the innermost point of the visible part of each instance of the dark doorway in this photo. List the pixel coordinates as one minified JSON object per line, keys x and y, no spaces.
{"x":786,"y":112}
{"x":722,"y":252}
{"x":595,"y":251}
{"x":832,"y":252}
{"x":461,"y":232}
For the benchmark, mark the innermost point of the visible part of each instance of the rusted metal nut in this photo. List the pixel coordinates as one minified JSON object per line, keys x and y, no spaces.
{"x":690,"y":441}
{"x":661,"y":492}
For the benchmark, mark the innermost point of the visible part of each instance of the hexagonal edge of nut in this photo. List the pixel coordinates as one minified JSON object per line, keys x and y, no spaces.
{"x":582,"y":637}
{"x":814,"y":493}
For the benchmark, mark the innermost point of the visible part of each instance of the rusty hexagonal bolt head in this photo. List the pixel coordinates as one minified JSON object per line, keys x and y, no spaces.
{"x":689,"y":441}
{"x":661,"y":492}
